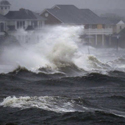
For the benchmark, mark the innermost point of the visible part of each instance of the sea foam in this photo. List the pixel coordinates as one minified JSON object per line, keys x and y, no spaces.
{"x":56,"y":47}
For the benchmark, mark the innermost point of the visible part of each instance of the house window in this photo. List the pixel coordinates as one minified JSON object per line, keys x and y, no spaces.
{"x":1,"y":27}
{"x":94,"y":26}
{"x":5,"y":7}
{"x":120,"y":27}
{"x":1,"y":8}
{"x":90,"y":26}
{"x":34,"y":23}
{"x":20,"y":24}
{"x":46,"y":14}
{"x":86,"y":26}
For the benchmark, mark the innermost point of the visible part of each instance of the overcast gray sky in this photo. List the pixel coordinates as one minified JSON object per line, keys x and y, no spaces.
{"x":39,"y":5}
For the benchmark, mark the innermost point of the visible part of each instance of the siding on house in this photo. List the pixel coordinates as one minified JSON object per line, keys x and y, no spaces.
{"x":50,"y":19}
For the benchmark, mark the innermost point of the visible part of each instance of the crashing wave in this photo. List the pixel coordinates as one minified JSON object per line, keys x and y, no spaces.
{"x":55,"y":104}
{"x":59,"y":49}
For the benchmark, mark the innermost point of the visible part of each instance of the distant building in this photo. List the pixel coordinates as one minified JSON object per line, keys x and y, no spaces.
{"x":11,"y":21}
{"x":25,"y":19}
{"x":118,"y":25}
{"x":96,"y":28}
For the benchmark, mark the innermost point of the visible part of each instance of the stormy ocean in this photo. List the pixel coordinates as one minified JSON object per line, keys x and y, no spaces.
{"x":57,"y":80}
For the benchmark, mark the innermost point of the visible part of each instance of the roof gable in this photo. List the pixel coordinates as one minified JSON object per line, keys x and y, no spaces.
{"x":65,"y":14}
{"x":116,"y":21}
{"x":121,"y":22}
{"x":71,"y":14}
{"x":69,"y":7}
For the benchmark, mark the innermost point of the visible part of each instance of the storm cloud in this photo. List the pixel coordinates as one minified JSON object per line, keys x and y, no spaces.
{"x":39,"y":5}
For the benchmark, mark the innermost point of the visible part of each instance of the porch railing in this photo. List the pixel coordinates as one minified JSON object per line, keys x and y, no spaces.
{"x":105,"y":31}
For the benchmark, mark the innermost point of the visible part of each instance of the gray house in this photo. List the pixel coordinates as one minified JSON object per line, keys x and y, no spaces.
{"x":96,"y":27}
{"x":70,"y":14}
{"x":25,"y":19}
{"x":11,"y":21}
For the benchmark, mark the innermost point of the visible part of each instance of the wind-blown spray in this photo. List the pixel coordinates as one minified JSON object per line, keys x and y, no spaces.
{"x":56,"y":47}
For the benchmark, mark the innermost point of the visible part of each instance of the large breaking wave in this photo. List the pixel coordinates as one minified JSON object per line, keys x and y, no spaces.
{"x":58,"y":49}
{"x":56,"y":104}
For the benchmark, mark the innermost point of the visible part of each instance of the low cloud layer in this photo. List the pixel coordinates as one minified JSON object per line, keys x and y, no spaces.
{"x":39,"y":5}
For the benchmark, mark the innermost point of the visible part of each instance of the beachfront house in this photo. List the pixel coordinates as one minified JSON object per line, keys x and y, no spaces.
{"x":96,"y":28}
{"x":25,"y":19}
{"x":11,"y":21}
{"x":14,"y":20}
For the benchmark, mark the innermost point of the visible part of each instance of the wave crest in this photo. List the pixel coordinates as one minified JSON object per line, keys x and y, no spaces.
{"x":58,"y":49}
{"x":56,"y":104}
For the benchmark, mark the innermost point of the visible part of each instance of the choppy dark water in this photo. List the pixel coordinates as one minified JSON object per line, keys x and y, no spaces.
{"x":38,"y":99}
{"x":54,"y":81}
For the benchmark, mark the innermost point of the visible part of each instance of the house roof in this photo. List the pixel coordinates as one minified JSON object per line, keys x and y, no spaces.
{"x":24,"y":14}
{"x":71,"y":14}
{"x":65,"y":13}
{"x":91,"y":18}
{"x":115,"y":21}
{"x":38,"y":16}
{"x":4,"y":2}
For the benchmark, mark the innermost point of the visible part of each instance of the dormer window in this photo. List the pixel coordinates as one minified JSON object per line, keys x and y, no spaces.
{"x":46,"y":14}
